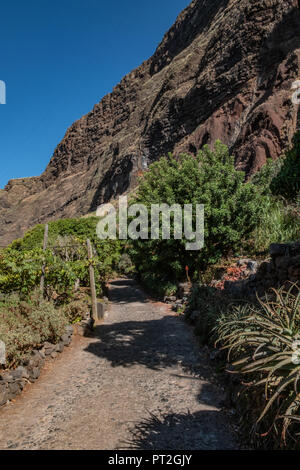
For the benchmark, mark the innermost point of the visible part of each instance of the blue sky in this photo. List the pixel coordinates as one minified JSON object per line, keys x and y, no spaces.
{"x":59,"y":58}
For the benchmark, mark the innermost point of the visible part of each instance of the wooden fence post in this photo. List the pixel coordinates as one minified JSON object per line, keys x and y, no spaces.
{"x":92,"y":281}
{"x":42,"y":284}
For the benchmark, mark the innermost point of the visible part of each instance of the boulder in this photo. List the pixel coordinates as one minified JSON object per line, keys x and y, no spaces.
{"x":66,"y":340}
{"x":59,"y":347}
{"x":14,"y":389}
{"x":3,"y":393}
{"x":20,"y":373}
{"x":279,"y":249}
{"x":69,"y":330}
{"x":34,"y":374}
{"x":84,"y":328}
{"x":49,"y":348}
{"x":184,"y":289}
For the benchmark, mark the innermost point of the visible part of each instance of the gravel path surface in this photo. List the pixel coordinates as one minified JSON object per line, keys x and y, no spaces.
{"x":138,"y":383}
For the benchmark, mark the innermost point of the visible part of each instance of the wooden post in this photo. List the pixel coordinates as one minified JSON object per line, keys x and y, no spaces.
{"x":42,"y":284}
{"x":92,"y":281}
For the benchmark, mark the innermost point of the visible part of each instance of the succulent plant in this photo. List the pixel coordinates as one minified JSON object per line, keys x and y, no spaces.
{"x":264,"y":341}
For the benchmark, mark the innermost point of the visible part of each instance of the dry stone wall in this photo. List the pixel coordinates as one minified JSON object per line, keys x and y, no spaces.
{"x":281,"y":269}
{"x":12,"y":382}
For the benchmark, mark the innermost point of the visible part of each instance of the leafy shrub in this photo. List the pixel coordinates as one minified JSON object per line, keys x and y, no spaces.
{"x":168,"y":288}
{"x":232,"y":210}
{"x":27,"y":325}
{"x":77,"y":309}
{"x":66,"y":269}
{"x":125,"y":265}
{"x":280,"y":223}
{"x":279,"y":182}
{"x":264,"y":177}
{"x":20,"y":271}
{"x":264,"y":341}
{"x":78,"y":228}
{"x":66,"y":266}
{"x":67,"y":241}
{"x":66,"y":263}
{"x":159,"y":289}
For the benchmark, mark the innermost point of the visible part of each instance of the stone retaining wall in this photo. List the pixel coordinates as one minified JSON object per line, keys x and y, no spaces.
{"x":12,"y":382}
{"x":282,"y":269}
{"x":286,"y":262}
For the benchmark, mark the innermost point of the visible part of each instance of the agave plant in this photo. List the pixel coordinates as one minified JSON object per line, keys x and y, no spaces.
{"x":264,"y":340}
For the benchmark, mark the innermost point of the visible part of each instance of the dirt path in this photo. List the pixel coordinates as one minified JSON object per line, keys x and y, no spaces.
{"x":136,"y":384}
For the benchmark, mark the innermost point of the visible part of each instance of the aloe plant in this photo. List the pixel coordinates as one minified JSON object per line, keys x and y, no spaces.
{"x":264,"y":342}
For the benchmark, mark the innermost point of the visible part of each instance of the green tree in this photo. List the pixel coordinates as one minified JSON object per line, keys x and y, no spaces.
{"x":232,"y":210}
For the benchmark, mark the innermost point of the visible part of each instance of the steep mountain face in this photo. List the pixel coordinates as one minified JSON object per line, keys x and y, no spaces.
{"x":223,"y":71}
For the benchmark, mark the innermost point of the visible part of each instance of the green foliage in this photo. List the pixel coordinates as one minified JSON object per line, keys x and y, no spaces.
{"x":281,"y":177}
{"x":280,"y":223}
{"x":287,"y":182}
{"x":20,"y":271}
{"x":27,"y":325}
{"x":279,"y":182}
{"x":79,"y":228}
{"x":65,"y":262}
{"x":266,"y":175}
{"x":168,"y":289}
{"x":125,"y":265}
{"x":77,"y":309}
{"x":264,"y":341}
{"x":232,"y":210}
{"x":160,"y":288}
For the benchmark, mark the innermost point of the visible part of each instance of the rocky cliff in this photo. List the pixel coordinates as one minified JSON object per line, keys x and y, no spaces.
{"x":223,"y":71}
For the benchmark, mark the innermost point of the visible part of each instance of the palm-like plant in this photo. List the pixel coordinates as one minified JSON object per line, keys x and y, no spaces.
{"x":265,"y":342}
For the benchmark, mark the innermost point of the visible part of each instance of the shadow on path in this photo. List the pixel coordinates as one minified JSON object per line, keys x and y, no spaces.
{"x":126,"y":291}
{"x":151,"y":343}
{"x":203,"y":430}
{"x":138,"y":332}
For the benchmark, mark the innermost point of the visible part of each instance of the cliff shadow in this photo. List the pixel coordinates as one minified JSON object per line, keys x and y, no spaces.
{"x":115,"y":182}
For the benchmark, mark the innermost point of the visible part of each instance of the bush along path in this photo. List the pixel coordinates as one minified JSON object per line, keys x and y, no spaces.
{"x":139,"y":382}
